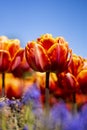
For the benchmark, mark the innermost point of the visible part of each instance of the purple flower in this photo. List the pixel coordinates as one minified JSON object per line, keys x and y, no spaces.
{"x":25,"y":127}
{"x":60,"y":112}
{"x":32,"y":95}
{"x":83,"y":116}
{"x":13,"y":103}
{"x":2,"y":104}
{"x":59,"y":115}
{"x":74,"y":123}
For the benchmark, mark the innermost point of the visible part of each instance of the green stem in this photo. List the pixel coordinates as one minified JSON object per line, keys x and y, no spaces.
{"x":3,"y":84}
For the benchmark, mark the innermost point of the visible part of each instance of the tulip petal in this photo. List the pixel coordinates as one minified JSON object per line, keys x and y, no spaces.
{"x":71,"y":82}
{"x":76,"y":65}
{"x":17,"y":59}
{"x":30,"y":55}
{"x":41,"y":58}
{"x":12,"y":45}
{"x":46,"y":41}
{"x":37,"y":57}
{"x":58,"y":54}
{"x":4,"y":61}
{"x":82,"y":79}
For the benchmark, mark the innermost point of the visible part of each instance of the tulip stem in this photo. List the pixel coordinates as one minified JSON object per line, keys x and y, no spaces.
{"x":74,"y":97}
{"x":74,"y":107}
{"x":47,"y":91}
{"x":3,"y":84}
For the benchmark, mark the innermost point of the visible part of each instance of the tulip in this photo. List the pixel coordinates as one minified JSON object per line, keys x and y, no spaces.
{"x":70,"y":86}
{"x":10,"y":56}
{"x":82,"y":79}
{"x":22,"y":68}
{"x":48,"y":54}
{"x":41,"y":82}
{"x":13,"y":87}
{"x":76,"y":64}
{"x":68,"y":82}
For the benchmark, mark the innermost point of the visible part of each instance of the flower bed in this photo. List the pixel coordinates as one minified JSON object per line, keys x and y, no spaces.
{"x":42,"y":86}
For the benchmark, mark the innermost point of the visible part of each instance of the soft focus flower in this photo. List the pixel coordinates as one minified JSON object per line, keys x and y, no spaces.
{"x":25,"y":127}
{"x":10,"y":54}
{"x":68,"y":82}
{"x":2,"y":39}
{"x":83,"y":116}
{"x":74,"y":123}
{"x":41,"y":80}
{"x":13,"y":86}
{"x":48,"y":54}
{"x":2,"y":104}
{"x":59,"y":115}
{"x":76,"y":64}
{"x":82,"y":79}
{"x":84,"y":63}
{"x":32,"y":95}
{"x":22,"y":68}
{"x":81,"y":99}
{"x":67,"y":85}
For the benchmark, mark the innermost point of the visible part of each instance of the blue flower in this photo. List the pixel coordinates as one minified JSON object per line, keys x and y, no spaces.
{"x":32,"y":95}
{"x":83,"y":116}
{"x":59,"y":115}
{"x":60,"y":112}
{"x":13,"y":103}
{"x":2,"y":104}
{"x":25,"y":127}
{"x":74,"y":123}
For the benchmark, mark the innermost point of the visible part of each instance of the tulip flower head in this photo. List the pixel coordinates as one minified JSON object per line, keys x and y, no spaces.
{"x":48,"y":54}
{"x":22,"y":68}
{"x":82,"y":79}
{"x":76,"y":64}
{"x":10,"y":54}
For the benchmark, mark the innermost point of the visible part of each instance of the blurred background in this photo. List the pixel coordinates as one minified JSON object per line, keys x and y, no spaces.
{"x":28,"y":19}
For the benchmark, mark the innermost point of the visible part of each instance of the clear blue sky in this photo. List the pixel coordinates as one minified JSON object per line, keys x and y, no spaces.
{"x":28,"y":19}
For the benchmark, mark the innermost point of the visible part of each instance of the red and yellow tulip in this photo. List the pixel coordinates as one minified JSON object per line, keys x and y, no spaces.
{"x":48,"y":54}
{"x":10,"y":54}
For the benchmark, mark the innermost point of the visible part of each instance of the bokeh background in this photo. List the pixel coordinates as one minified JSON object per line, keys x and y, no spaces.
{"x":28,"y":19}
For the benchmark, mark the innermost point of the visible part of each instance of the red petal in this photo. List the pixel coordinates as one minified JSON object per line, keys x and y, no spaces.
{"x":30,"y":56}
{"x":4,"y":61}
{"x":82,"y":79}
{"x":46,"y":41}
{"x":37,"y":57}
{"x":12,"y":45}
{"x":58,"y":54}
{"x":16,"y":61}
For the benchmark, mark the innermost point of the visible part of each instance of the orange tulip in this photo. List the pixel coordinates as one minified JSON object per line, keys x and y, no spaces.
{"x":84,"y":64}
{"x":82,"y":79}
{"x":41,"y":79}
{"x":76,"y":64}
{"x":13,"y":86}
{"x":22,"y":68}
{"x":10,"y":54}
{"x":67,"y":83}
{"x":48,"y":54}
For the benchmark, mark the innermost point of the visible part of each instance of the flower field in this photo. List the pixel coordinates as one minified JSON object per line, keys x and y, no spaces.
{"x":42,"y":86}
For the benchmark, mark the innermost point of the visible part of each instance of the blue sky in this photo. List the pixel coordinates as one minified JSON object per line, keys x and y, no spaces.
{"x":28,"y":19}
